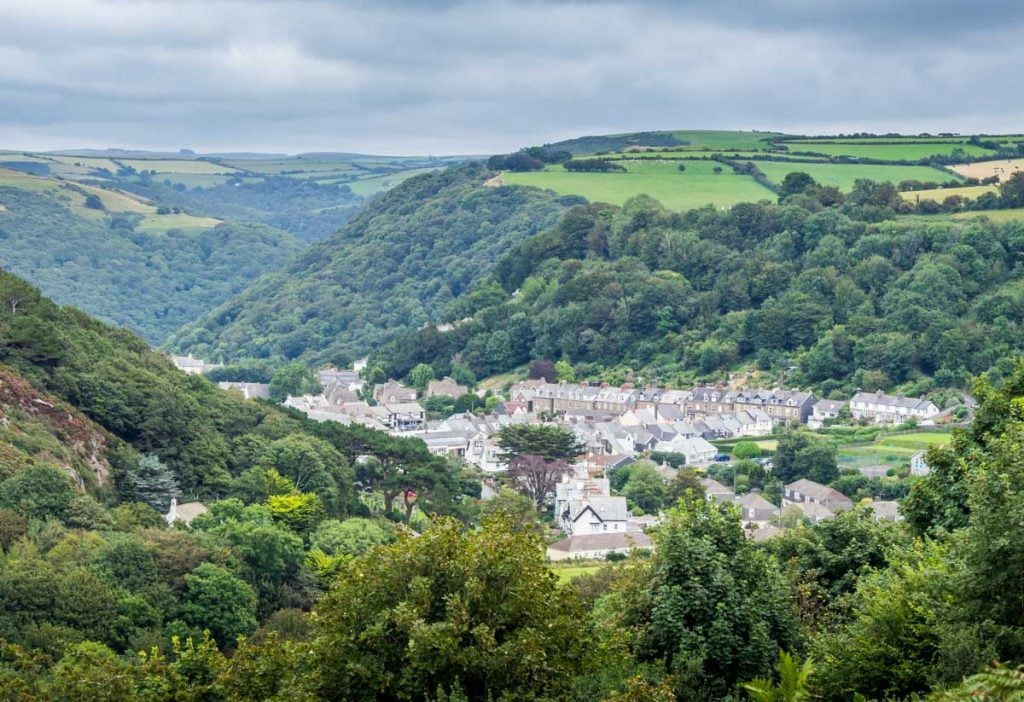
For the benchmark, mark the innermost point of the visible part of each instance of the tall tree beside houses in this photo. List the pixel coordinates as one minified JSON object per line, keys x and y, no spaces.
{"x":537,"y":457}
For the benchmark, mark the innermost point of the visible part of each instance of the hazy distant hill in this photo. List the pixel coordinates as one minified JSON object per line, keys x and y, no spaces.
{"x":124,"y":259}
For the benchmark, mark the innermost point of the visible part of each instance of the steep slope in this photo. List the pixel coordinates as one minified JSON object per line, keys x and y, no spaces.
{"x":839,"y":297}
{"x":36,"y":427}
{"x":397,"y":265}
{"x":113,"y":377}
{"x":125,"y":260}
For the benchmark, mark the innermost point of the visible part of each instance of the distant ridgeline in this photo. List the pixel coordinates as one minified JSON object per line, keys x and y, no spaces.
{"x":405,"y":261}
{"x":153,"y":241}
{"x":828,"y":287}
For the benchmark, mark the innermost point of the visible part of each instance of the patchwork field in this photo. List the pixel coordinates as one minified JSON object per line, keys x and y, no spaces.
{"x":720,"y":139}
{"x":891,"y":451}
{"x":889,"y":152}
{"x":940,"y":194}
{"x":178,"y":166}
{"x":73,"y":196}
{"x":843,"y":175}
{"x":697,"y":186}
{"x":1009,"y":215}
{"x":986,"y":169}
{"x":917,"y":440}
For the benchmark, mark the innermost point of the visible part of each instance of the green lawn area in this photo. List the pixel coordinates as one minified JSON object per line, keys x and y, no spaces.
{"x":908,"y":151}
{"x":940,"y":194}
{"x":695,"y":187}
{"x":917,"y":440}
{"x":842,"y":175}
{"x":874,"y":455}
{"x":567,"y":573}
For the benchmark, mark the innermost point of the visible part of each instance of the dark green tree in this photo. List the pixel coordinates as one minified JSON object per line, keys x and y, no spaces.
{"x":473,"y":613}
{"x":153,"y":482}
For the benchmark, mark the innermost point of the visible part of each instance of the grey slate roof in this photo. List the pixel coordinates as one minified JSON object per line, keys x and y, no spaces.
{"x":610,"y":541}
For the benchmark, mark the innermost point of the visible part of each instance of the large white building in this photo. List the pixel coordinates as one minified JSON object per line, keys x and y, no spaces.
{"x":890,"y":409}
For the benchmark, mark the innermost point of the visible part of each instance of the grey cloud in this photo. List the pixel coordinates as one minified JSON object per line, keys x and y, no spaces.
{"x":464,"y":77}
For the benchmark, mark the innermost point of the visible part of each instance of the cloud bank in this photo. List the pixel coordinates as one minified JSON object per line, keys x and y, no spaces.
{"x":481,"y":77}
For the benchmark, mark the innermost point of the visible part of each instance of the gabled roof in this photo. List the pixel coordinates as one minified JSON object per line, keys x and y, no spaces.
{"x":608,"y":509}
{"x":754,"y":501}
{"x":829,"y":405}
{"x":900,"y":401}
{"x":814,"y":511}
{"x":598,"y":542}
{"x":818,"y":491}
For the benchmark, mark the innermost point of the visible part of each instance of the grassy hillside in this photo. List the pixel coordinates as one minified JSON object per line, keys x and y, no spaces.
{"x":697,"y":186}
{"x":395,"y":266}
{"x":119,"y":257}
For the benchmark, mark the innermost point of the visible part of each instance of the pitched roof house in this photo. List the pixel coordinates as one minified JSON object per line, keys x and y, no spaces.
{"x":805,"y":490}
{"x":598,"y":545}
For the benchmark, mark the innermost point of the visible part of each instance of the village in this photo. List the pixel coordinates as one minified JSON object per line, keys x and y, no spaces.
{"x":618,"y":426}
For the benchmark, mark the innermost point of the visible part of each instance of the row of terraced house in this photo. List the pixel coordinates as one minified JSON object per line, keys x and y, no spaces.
{"x":782,"y":406}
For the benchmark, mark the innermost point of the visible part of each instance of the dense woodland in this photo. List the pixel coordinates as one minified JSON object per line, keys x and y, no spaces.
{"x":100,"y":600}
{"x":833,"y":289}
{"x":150,"y":281}
{"x":394,"y":266}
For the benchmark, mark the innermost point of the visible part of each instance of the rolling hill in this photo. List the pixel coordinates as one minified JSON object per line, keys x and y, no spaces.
{"x":398,"y":264}
{"x":125,"y":259}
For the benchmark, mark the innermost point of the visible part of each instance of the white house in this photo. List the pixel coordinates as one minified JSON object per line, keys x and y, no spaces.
{"x":184,"y":512}
{"x":697,"y":451}
{"x":918,"y":466}
{"x":891,"y":409}
{"x":824,"y":410}
{"x":596,"y":515}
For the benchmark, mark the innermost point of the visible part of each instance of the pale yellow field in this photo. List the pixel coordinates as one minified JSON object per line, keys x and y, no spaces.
{"x":177,"y":166}
{"x":940,"y":194}
{"x":160,"y":223}
{"x":74,"y":194}
{"x":18,"y":156}
{"x":17,"y":179}
{"x":87,"y":162}
{"x":985,"y":169}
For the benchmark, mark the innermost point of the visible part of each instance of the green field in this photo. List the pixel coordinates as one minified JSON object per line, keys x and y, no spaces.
{"x":940,"y":194}
{"x":893,"y":451}
{"x":917,"y":440}
{"x":366,"y":187}
{"x":890,"y":140}
{"x":568,"y":573}
{"x":842,"y":175}
{"x":889,"y":152}
{"x":720,"y":139}
{"x":177,"y":166}
{"x":1001,"y":216}
{"x":699,"y":185}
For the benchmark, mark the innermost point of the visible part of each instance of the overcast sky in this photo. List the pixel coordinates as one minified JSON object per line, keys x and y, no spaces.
{"x":444,"y":77}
